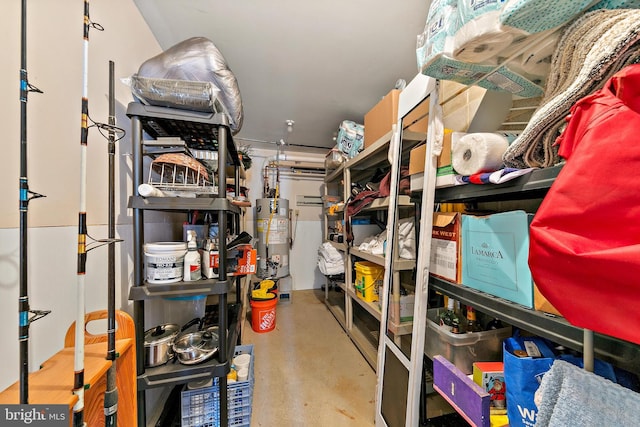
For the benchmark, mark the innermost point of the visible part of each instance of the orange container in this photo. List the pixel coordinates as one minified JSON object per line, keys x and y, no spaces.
{"x":263,"y":315}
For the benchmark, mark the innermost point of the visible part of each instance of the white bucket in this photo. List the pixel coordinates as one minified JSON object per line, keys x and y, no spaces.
{"x":164,"y":261}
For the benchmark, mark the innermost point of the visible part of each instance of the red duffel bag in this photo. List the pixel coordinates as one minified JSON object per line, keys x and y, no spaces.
{"x":584,"y":250}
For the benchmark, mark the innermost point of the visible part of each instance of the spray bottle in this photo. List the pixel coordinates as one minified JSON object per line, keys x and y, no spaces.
{"x":192,"y":266}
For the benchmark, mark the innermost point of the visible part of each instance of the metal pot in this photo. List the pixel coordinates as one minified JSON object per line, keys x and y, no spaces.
{"x":195,"y":347}
{"x":158,"y":341}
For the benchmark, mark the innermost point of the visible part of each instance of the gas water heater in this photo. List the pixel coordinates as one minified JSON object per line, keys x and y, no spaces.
{"x":274,"y":237}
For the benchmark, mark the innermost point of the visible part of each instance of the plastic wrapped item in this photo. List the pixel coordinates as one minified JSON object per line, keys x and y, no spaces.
{"x":190,"y":95}
{"x":334,"y":159}
{"x":198,"y":60}
{"x":350,"y":138}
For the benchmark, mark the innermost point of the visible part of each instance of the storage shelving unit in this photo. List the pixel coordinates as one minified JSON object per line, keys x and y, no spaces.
{"x":205,"y":131}
{"x":527,"y":187}
{"x":623,"y":354}
{"x":335,"y":290}
{"x":359,"y":318}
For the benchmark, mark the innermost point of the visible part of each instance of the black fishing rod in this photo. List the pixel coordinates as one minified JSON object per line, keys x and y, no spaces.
{"x":25,"y":196}
{"x":111,"y":393}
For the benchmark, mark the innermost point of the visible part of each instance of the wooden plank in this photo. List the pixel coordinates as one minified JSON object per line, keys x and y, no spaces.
{"x":53,"y":383}
{"x":467,"y":397}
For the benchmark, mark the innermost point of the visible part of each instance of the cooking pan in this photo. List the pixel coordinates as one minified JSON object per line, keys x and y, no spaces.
{"x":191,"y":348}
{"x":158,"y":342}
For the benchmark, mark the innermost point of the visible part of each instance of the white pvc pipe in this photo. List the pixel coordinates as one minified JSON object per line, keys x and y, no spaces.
{"x":148,"y":190}
{"x":287,"y":157}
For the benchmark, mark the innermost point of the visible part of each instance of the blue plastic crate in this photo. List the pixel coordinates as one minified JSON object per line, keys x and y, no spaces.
{"x":201,"y":407}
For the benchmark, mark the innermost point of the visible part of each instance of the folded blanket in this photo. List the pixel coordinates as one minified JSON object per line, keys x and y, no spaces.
{"x":617,"y":4}
{"x":570,"y":396}
{"x":330,"y":261}
{"x":589,"y":52}
{"x":534,"y":16}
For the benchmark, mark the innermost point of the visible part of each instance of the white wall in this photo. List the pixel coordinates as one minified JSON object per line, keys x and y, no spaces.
{"x":54,"y":64}
{"x":308,"y":230}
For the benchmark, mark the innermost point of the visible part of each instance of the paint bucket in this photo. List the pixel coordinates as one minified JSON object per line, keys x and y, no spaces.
{"x":164,"y":261}
{"x":369,"y":278}
{"x":263,"y":314}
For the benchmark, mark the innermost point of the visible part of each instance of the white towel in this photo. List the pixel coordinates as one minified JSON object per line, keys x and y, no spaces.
{"x":570,"y":396}
{"x":374,"y":244}
{"x":329,"y":253}
{"x":407,"y":238}
{"x":330,"y":260}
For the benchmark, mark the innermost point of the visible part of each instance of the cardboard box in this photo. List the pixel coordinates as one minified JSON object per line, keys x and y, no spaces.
{"x":401,"y":309}
{"x":490,"y":376}
{"x":446,"y":248}
{"x":542,"y":304}
{"x":445,"y":175}
{"x":241,"y":260}
{"x":417,"y":121}
{"x":416,"y":159}
{"x":495,"y":253}
{"x":379,"y":120}
{"x":416,"y":182}
{"x":473,"y":110}
{"x":445,"y":172}
{"x":467,"y":397}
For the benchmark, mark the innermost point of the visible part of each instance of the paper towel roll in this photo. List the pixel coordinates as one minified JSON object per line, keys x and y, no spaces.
{"x":477,"y":152}
{"x":481,"y":38}
{"x":437,"y":38}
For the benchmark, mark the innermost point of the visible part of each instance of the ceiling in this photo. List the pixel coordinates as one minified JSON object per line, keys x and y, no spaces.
{"x":316,"y":63}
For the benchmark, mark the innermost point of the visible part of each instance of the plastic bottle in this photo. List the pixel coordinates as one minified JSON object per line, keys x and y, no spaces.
{"x":192,"y":262}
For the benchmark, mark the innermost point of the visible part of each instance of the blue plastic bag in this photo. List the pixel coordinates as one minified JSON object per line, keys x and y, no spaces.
{"x":522,"y":376}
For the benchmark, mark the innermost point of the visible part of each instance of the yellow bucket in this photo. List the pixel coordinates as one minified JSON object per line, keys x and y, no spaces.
{"x":369,"y":278}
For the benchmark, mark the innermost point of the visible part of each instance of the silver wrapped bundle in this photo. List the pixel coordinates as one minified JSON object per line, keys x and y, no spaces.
{"x":193,"y":60}
{"x":189,"y":95}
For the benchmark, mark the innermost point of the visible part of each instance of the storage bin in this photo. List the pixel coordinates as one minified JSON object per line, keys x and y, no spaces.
{"x":369,"y":277}
{"x":201,"y":407}
{"x":463,"y":349}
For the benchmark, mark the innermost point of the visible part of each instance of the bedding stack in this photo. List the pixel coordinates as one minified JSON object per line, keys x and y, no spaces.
{"x":559,"y":50}
{"x":591,"y":50}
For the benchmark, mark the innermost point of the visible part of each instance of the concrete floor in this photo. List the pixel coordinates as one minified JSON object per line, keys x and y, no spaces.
{"x":307,"y":370}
